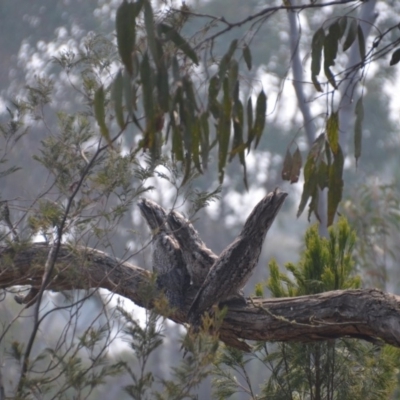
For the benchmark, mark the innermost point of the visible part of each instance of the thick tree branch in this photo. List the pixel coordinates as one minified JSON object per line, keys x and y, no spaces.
{"x":368,"y":314}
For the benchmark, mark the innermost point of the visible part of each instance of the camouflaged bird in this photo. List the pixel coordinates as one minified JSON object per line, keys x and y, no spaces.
{"x":168,"y":262}
{"x":234,"y":266}
{"x":198,"y":257}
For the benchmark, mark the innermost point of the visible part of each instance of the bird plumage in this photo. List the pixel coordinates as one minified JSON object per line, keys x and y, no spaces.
{"x":198,"y":257}
{"x":168,"y":262}
{"x":236,"y":263}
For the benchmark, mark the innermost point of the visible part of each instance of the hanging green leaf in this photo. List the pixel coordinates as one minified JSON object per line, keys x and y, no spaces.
{"x":205,"y":139}
{"x":351,"y":34}
{"x":395,"y":57}
{"x":224,"y":130}
{"x":179,"y":41}
{"x":175,"y":69}
{"x":150,"y":30}
{"x":163,"y":86}
{"x":342,"y":25}
{"x":233,"y":75}
{"x":297,"y":163}
{"x":335,"y":185}
{"x":259,"y":123}
{"x":196,"y":134}
{"x":311,"y":180}
{"x":213,"y":90}
{"x":287,"y":166}
{"x":247,"y":56}
{"x":129,"y":90}
{"x":310,"y":187}
{"x":177,"y":139}
{"x":359,"y":110}
{"x":126,"y":31}
{"x":361,"y":42}
{"x":332,"y":131}
{"x":99,"y":113}
{"x":238,"y":145}
{"x":189,"y":92}
{"x":188,"y":168}
{"x":116,"y":96}
{"x":330,"y":51}
{"x":147,"y":79}
{"x":249,"y":122}
{"x":224,"y":63}
{"x":316,"y":51}
{"x":323,"y":175}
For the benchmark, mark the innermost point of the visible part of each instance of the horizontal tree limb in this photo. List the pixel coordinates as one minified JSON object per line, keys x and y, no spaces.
{"x":368,"y":314}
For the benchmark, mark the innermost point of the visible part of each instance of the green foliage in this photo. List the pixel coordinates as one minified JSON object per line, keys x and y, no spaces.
{"x":317,"y":370}
{"x":329,"y":43}
{"x":323,"y":169}
{"x":326,"y":264}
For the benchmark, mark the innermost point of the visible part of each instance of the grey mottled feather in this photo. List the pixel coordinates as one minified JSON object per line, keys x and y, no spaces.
{"x":168,"y":262}
{"x":198,"y":257}
{"x":236,"y":263}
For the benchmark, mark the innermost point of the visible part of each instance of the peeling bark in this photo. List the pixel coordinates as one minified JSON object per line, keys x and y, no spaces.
{"x":369,"y":314}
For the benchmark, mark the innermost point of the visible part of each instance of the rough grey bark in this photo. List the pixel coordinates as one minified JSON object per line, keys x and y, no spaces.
{"x":368,"y":314}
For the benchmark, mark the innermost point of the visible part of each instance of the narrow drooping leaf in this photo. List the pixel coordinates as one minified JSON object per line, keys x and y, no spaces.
{"x":224,"y":63}
{"x":238,"y":144}
{"x":196,"y":137}
{"x":179,"y":41}
{"x":99,"y":113}
{"x":147,"y":78}
{"x":224,"y":130}
{"x":128,"y":88}
{"x":335,"y":185}
{"x":323,"y":175}
{"x":213,"y":90}
{"x":332,"y":132}
{"x":126,"y":30}
{"x":163,"y":86}
{"x":395,"y":57}
{"x":188,"y":168}
{"x":351,"y":34}
{"x":330,"y":77}
{"x":361,"y":42}
{"x":247,"y":56}
{"x":117,"y":94}
{"x":177,"y":139}
{"x":249,"y":110}
{"x":316,"y":51}
{"x":189,"y":92}
{"x":342,"y":25}
{"x":205,"y":139}
{"x":297,"y":163}
{"x":150,"y":30}
{"x":330,"y":51}
{"x":233,"y":75}
{"x":359,"y":110}
{"x":259,"y":123}
{"x":310,"y":187}
{"x":287,"y":166}
{"x":175,"y":69}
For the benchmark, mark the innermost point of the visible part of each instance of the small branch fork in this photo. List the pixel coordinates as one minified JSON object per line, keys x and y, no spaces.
{"x":368,"y":314}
